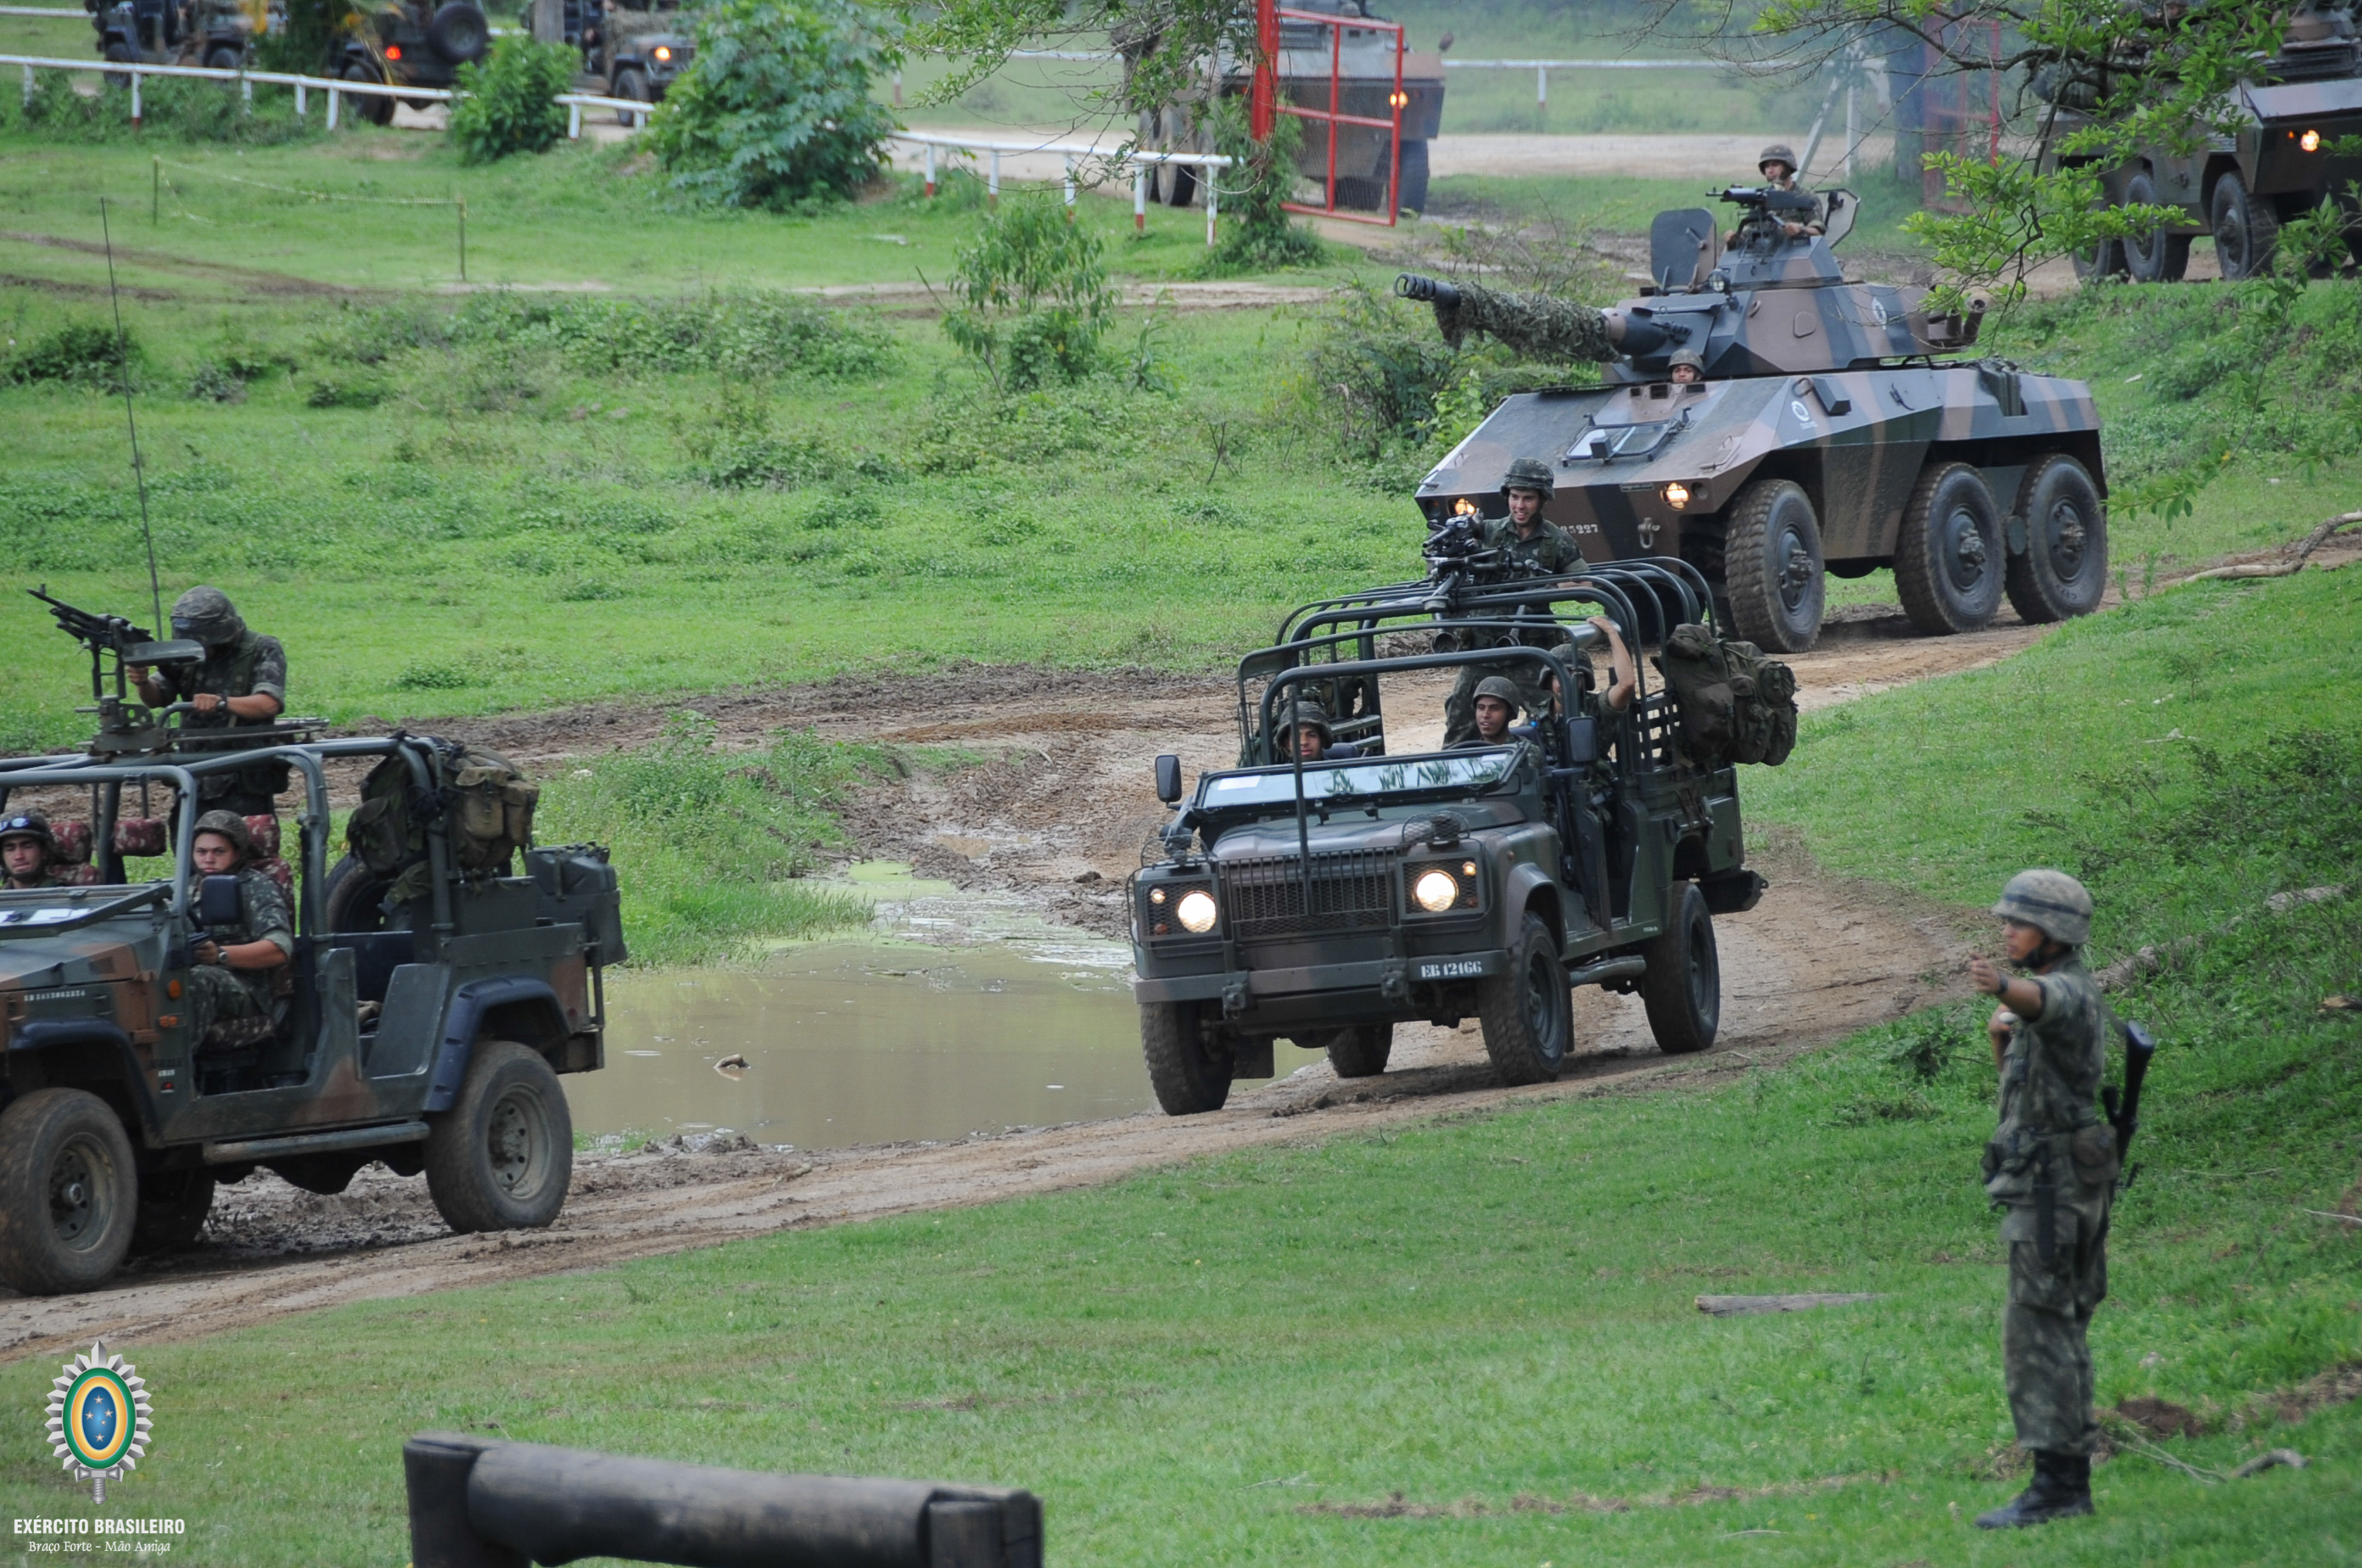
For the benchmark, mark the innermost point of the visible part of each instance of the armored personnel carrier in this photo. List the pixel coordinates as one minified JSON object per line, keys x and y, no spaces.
{"x":427,"y":1035}
{"x":1836,"y":428}
{"x":1325,"y":901}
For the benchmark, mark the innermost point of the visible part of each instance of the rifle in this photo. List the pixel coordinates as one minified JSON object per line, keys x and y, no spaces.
{"x":2124,"y":1110}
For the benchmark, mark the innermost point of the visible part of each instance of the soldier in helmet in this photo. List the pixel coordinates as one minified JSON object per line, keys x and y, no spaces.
{"x":26,"y":848}
{"x":1531,"y":546}
{"x":1498,"y":702}
{"x":1305,"y":729}
{"x":1685,"y":368}
{"x":241,"y":685}
{"x":1777,"y":164}
{"x":230,"y":975}
{"x":2051,"y":1167}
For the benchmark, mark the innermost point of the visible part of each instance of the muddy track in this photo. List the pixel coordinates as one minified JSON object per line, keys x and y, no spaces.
{"x":1057,"y":814}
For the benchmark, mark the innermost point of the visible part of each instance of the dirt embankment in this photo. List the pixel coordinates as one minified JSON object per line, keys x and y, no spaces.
{"x":1058,"y":815}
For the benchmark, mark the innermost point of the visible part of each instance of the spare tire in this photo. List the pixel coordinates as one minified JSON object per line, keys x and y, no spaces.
{"x":459,"y":33}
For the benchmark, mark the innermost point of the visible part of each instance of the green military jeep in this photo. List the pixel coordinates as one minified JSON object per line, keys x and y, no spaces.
{"x":1327,"y":901}
{"x":432,"y":1048}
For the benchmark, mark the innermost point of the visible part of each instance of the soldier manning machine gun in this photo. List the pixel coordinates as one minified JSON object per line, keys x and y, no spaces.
{"x":1836,"y":429}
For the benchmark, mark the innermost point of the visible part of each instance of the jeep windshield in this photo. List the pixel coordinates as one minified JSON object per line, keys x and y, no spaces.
{"x":1376,"y":777}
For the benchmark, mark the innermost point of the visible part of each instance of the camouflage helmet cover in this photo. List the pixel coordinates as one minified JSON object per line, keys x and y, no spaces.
{"x":1502,"y":689}
{"x":28,"y":824}
{"x":1690,"y":357}
{"x":1308,"y":713}
{"x":1780,"y":152}
{"x":1528,"y":473}
{"x":2052,"y":900}
{"x":231,"y":826}
{"x":206,"y":614}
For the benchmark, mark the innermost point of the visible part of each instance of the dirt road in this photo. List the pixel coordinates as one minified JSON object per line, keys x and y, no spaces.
{"x":1059,"y":816}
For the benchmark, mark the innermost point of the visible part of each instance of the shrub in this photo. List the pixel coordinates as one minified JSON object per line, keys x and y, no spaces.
{"x":1259,"y":238}
{"x":80,"y":353}
{"x":1034,"y":297}
{"x":512,"y":103}
{"x":776,"y":108}
{"x":172,"y":109}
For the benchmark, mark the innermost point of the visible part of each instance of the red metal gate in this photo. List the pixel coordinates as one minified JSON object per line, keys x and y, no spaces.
{"x":1266,"y":103}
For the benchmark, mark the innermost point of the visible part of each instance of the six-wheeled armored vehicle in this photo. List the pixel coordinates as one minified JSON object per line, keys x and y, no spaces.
{"x":1830,"y":432}
{"x":1324,"y":902}
{"x":427,"y":1035}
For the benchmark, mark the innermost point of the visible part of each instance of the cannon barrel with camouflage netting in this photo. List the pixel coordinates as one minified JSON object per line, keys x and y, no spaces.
{"x":1534,"y":326}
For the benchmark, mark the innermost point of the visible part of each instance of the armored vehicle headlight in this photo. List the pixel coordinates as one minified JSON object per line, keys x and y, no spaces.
{"x":1436,"y":891}
{"x":2310,"y":141}
{"x":1677,"y":495}
{"x":1197,"y":912}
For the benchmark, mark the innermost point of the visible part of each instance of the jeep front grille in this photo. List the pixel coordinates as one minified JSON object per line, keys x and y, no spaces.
{"x":1350,"y":892}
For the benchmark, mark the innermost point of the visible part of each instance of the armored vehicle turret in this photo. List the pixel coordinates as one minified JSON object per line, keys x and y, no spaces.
{"x":1836,"y":428}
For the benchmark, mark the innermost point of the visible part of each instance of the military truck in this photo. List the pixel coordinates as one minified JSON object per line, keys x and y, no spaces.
{"x":408,"y":43}
{"x":1364,"y":67}
{"x":2279,"y":162}
{"x":631,"y":50}
{"x":1833,"y":432}
{"x":217,"y":34}
{"x":1325,"y":902}
{"x":430,"y":1041}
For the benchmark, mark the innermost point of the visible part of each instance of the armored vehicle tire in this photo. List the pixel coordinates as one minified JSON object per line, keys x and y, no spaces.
{"x":1527,"y":1013}
{"x":1949,"y":556}
{"x":2105,"y":260}
{"x":631,"y":85}
{"x":1410,"y":193}
{"x":1186,"y":1076}
{"x":1772,"y":566}
{"x":1361,"y":1052}
{"x":172,"y":1210}
{"x":2065,"y":567}
{"x":355,"y":897}
{"x":373,"y":107}
{"x":1683,"y":987}
{"x":69,"y":1192}
{"x":2156,"y":257}
{"x":2246,"y":231}
{"x":501,"y":1157}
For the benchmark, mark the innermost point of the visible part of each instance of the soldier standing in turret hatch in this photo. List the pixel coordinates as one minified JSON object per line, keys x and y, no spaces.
{"x":1777,"y":164}
{"x":241,"y":685}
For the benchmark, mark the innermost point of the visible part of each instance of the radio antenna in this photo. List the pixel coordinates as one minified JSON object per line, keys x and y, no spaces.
{"x":139,"y":471}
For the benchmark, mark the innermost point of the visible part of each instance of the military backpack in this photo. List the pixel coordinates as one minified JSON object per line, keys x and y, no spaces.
{"x":485,"y":801}
{"x":1737,"y":705}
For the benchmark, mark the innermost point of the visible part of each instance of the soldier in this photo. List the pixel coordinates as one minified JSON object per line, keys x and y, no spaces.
{"x":1498,"y":701}
{"x":1306,"y":725}
{"x":1777,"y":164}
{"x":231,"y":973}
{"x":1624,"y":675}
{"x":2052,"y":1166}
{"x":25,"y":848}
{"x":241,"y":685}
{"x":1531,"y":546}
{"x":1685,"y":368}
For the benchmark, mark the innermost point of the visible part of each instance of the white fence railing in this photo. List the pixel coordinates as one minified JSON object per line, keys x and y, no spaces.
{"x":304,"y":86}
{"x":1140,"y":161}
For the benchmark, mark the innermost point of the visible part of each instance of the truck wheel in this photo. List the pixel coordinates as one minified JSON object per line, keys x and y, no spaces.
{"x":373,"y":107}
{"x":1772,"y":566}
{"x":222,"y":60}
{"x":501,"y":1157}
{"x":1949,"y":556}
{"x":2103,"y":259}
{"x":69,"y":1192}
{"x":1683,"y":987}
{"x":2246,"y":231}
{"x":2065,"y":567}
{"x":1361,"y":1052}
{"x":172,"y":1210}
{"x":1186,"y":1076}
{"x":2156,"y":257}
{"x":631,"y":85}
{"x":355,"y":899}
{"x":1528,"y":1014}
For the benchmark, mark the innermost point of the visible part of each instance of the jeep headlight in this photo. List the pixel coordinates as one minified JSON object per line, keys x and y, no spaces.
{"x":1436,"y":891}
{"x":663,"y":51}
{"x":1196,"y":911}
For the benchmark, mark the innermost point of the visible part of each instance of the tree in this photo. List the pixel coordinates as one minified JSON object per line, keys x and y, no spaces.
{"x":1034,"y":298}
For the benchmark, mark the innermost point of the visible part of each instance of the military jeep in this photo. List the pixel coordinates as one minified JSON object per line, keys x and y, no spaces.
{"x":1325,"y":902}
{"x":434,"y":1048}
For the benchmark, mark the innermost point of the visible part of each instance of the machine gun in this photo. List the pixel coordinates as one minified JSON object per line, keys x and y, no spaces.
{"x":1457,"y":557}
{"x":1765,"y":209}
{"x":124,"y":723}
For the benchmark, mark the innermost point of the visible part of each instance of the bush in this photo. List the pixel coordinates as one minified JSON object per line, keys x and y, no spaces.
{"x":1034,"y":298}
{"x":172,"y":109}
{"x":1262,"y":176}
{"x":512,"y":103}
{"x":80,"y":353}
{"x":776,"y":109}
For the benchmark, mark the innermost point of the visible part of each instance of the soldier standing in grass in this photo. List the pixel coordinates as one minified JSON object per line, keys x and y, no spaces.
{"x":2052,"y":1168}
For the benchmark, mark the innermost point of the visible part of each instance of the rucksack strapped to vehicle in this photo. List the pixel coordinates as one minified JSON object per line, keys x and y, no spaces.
{"x":486,"y":802}
{"x":1736,"y":704}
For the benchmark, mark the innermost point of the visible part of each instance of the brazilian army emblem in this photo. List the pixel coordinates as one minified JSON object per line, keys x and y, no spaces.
{"x":99,"y":1424}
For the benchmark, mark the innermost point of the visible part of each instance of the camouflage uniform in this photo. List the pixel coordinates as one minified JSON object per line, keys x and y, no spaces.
{"x":219,"y":994}
{"x":1548,"y":551}
{"x":241,"y":666}
{"x":1534,"y":326}
{"x":2054,"y":1155}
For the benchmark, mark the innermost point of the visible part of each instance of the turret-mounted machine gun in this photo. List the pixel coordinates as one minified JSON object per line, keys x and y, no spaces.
{"x":1768,"y":210}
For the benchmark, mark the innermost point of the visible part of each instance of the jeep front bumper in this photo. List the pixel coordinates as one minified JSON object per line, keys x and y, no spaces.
{"x":1245,"y":991}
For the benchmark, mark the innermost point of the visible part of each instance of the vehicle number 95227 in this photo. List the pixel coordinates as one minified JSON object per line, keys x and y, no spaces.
{"x":1453,"y":969}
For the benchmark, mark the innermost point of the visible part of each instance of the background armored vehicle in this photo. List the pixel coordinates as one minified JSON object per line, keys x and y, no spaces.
{"x":432,"y":1048}
{"x":631,"y":50}
{"x":2238,"y":188}
{"x":409,"y":43}
{"x":1825,"y":436}
{"x":214,"y":33}
{"x":1327,"y":901}
{"x":1364,"y":66}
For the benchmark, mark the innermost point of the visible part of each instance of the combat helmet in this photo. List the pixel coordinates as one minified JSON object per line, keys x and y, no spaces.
{"x":1528,"y":473}
{"x":1503,"y":689}
{"x":231,"y":826}
{"x":1782,"y":151}
{"x":2052,"y":900}
{"x":1308,"y":713}
{"x":28,"y":824}
{"x":1690,"y":357}
{"x":207,"y":615}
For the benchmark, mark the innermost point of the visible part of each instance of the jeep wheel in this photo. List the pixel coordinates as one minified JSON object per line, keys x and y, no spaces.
{"x":631,"y":85}
{"x":1949,"y":556}
{"x":1771,"y":567}
{"x":1361,"y":1051}
{"x":1186,"y":1076}
{"x":172,"y":1210}
{"x":501,"y":1157}
{"x":1682,"y":988}
{"x":1528,"y":1014}
{"x":374,"y":107}
{"x":355,"y":897}
{"x":69,"y":1192}
{"x":121,"y":55}
{"x":2065,"y":567}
